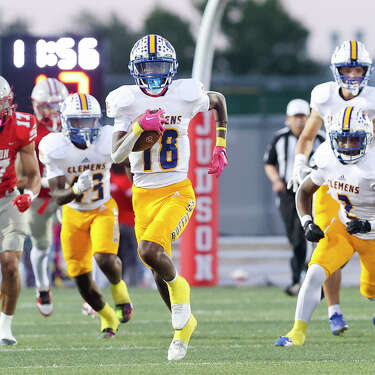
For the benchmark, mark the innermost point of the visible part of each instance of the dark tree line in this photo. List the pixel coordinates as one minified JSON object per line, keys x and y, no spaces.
{"x":259,"y":37}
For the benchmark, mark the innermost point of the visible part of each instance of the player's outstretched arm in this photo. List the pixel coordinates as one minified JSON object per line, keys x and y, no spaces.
{"x":219,"y":156}
{"x":64,"y":195}
{"x":30,"y":168}
{"x":58,"y":192}
{"x":303,"y":149}
{"x":304,"y":209}
{"x":306,"y":139}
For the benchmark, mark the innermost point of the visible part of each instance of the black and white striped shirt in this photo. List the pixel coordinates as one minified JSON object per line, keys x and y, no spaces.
{"x":281,"y":151}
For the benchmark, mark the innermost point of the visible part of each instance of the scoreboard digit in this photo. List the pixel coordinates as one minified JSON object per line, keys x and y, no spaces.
{"x":76,"y":61}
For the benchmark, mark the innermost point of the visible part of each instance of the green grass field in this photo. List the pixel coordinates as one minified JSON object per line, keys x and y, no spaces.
{"x":237,"y":328}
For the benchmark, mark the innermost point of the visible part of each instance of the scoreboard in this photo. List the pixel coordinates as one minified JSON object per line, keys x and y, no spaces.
{"x":75,"y":61}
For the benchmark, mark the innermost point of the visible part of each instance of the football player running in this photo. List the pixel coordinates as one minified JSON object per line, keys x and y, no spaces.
{"x":18,"y":131}
{"x":46,"y":96}
{"x":346,"y":165}
{"x":78,"y":162}
{"x":163,"y":197}
{"x":351,"y":66}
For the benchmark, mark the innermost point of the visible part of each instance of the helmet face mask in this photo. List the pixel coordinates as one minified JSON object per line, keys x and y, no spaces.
{"x":350,"y":54}
{"x":80,"y":117}
{"x":350,"y":133}
{"x":47,"y":95}
{"x":153,"y":63}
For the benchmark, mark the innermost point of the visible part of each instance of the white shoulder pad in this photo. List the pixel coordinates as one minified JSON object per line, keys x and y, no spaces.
{"x":323,"y":154}
{"x":104,"y":142}
{"x":189,"y":89}
{"x":52,"y":146}
{"x":321,"y":93}
{"x":119,"y":99}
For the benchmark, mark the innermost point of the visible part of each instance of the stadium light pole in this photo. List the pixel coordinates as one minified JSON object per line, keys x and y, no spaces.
{"x":199,"y":243}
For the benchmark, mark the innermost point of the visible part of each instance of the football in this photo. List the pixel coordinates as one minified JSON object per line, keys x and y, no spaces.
{"x":147,"y":139}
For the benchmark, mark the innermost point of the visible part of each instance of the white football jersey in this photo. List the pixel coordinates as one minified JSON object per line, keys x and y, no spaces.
{"x":62,"y":158}
{"x":352,"y":185}
{"x":167,"y":162}
{"x":326,"y":100}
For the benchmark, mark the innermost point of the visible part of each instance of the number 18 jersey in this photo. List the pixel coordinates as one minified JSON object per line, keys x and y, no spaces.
{"x":167,"y":161}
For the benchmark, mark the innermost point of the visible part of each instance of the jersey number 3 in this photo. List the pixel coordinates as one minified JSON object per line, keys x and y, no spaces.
{"x":347,"y":205}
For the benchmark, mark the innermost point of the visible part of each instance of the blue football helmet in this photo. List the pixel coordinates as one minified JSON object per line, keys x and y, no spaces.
{"x":153,"y":63}
{"x":80,"y":118}
{"x":350,"y":133}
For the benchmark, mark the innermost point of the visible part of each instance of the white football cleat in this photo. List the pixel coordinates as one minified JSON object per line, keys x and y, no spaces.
{"x":44,"y":302}
{"x":180,"y":315}
{"x":177,"y":350}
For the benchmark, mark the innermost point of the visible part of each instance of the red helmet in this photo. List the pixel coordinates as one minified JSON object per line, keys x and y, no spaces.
{"x":6,"y":100}
{"x":47,"y":95}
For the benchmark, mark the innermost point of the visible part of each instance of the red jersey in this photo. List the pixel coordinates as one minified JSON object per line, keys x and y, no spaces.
{"x":42,"y":131}
{"x":121,"y":191}
{"x":18,"y":131}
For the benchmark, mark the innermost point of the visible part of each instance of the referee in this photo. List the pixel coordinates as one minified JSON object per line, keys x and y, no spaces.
{"x":278,"y":165}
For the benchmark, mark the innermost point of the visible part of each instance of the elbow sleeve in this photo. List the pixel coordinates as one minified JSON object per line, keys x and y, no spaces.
{"x":125,"y":148}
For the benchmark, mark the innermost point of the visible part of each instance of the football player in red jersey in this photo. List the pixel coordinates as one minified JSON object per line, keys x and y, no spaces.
{"x":46,"y":98}
{"x":17,"y":133}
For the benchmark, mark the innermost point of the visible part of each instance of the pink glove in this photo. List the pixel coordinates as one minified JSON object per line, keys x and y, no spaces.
{"x":219,"y":161}
{"x":153,"y":121}
{"x":22,"y":201}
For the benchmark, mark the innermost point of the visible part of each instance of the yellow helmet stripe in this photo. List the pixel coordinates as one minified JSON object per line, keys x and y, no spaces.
{"x":347,"y":115}
{"x":152,"y":43}
{"x":83,"y":100}
{"x":353,"y":50}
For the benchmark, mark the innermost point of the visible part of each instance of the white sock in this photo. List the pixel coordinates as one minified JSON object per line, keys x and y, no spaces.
{"x":310,"y":293}
{"x":334,"y":309}
{"x":39,"y":262}
{"x":5,"y":324}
